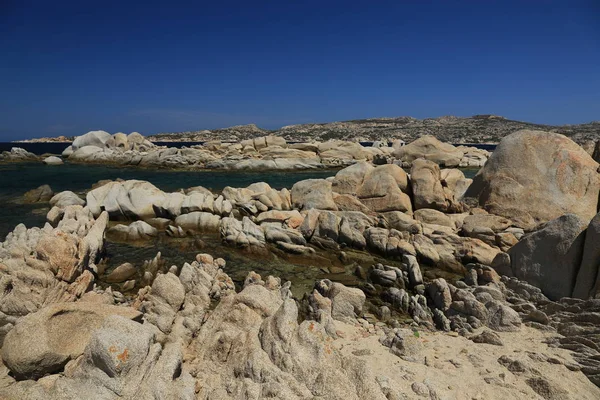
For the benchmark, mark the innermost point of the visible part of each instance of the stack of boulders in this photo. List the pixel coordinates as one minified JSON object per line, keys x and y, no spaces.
{"x":381,"y":209}
{"x":101,"y":144}
{"x":547,"y":185}
{"x":265,"y":153}
{"x":262,"y":153}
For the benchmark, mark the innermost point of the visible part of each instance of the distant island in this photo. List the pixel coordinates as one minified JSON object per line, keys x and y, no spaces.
{"x":58,"y":139}
{"x":485,"y":128}
{"x":450,"y":129}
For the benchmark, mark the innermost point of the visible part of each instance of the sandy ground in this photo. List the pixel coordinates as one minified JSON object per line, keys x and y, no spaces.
{"x":453,"y":367}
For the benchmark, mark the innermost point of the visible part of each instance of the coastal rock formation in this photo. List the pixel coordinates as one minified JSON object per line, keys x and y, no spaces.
{"x":66,"y":198}
{"x":587,"y":284}
{"x":136,"y":231}
{"x":199,"y":338}
{"x":427,"y":186}
{"x":41,"y":194}
{"x":262,"y":153}
{"x":378,"y":218}
{"x":530,"y":168}
{"x":313,"y":193}
{"x":257,"y":342}
{"x":53,"y":160}
{"x":259,"y":153}
{"x":430,"y":148}
{"x":43,"y":266}
{"x":93,"y":138}
{"x":101,"y":144}
{"x":33,"y":356}
{"x":385,"y":188}
{"x":17,"y":154}
{"x":561,"y":258}
{"x":550,"y":257}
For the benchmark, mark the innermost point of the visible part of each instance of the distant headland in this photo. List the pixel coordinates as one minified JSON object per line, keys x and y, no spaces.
{"x":486,"y":128}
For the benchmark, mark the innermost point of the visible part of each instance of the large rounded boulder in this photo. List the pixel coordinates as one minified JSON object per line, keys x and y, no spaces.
{"x":92,"y":138}
{"x":430,"y":148}
{"x":534,"y":177}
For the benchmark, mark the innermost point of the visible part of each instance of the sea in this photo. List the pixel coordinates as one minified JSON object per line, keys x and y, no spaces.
{"x":18,"y":178}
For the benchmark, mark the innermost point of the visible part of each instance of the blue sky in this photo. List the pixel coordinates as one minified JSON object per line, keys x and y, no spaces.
{"x":70,"y":67}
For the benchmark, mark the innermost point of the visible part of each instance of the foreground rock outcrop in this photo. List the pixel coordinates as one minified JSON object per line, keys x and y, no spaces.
{"x":561,"y":258}
{"x":171,"y":341}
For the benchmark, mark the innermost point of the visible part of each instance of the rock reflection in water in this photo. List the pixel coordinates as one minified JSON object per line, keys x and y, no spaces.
{"x":301,"y":270}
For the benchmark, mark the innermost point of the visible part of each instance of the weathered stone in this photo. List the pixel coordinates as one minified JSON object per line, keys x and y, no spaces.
{"x":136,"y":231}
{"x":587,"y":283}
{"x":550,"y":257}
{"x":488,"y":337}
{"x":121,"y":273}
{"x":313,"y":193}
{"x":531,"y":168}
{"x":426,"y":186}
{"x":502,"y":318}
{"x":440,"y":293}
{"x":41,"y":194}
{"x":350,"y":179}
{"x":66,"y":198}
{"x":384,"y":189}
{"x":346,"y":303}
{"x":431,"y":216}
{"x":430,"y":148}
{"x":62,"y":332}
{"x":92,"y":138}
{"x":53,"y":160}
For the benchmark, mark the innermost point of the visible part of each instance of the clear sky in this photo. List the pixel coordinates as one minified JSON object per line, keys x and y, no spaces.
{"x":67,"y":67}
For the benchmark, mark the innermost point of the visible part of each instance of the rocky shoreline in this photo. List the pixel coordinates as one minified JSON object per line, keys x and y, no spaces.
{"x":258,"y":154}
{"x":486,"y":294}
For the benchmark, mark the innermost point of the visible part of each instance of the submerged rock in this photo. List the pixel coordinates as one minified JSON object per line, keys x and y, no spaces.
{"x":53,"y":160}
{"x":40,"y":195}
{"x":136,"y":231}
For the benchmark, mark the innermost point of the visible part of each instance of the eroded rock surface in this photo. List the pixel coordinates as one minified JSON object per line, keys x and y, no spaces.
{"x":530,"y":168}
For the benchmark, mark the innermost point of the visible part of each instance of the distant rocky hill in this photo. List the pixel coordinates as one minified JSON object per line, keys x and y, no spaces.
{"x":475,"y":129}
